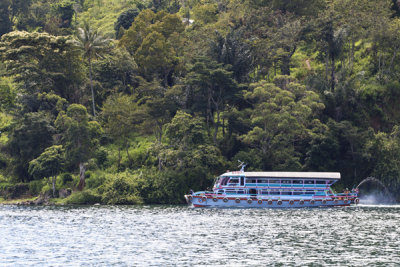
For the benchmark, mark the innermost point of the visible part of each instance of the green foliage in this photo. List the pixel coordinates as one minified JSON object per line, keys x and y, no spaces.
{"x":48,"y":164}
{"x":66,"y":178}
{"x":384,"y":153}
{"x":29,"y":136}
{"x":125,"y":20}
{"x":92,"y":44}
{"x":40,"y":62}
{"x":79,"y":136}
{"x":103,"y":14}
{"x":154,"y":40}
{"x":95,"y":180}
{"x":120,"y":191}
{"x":206,"y":13}
{"x":282,"y":85}
{"x":87,"y":197}
{"x":5,"y":22}
{"x":284,"y":113}
{"x":35,"y":187}
{"x":65,"y":10}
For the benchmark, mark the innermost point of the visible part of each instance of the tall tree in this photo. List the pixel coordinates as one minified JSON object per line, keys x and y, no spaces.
{"x":79,"y":136}
{"x":283,"y":117}
{"x":213,"y":87}
{"x":49,"y":164}
{"x":5,"y":22}
{"x":29,"y":136}
{"x":92,"y":44}
{"x":40,"y":62}
{"x":121,"y":118}
{"x":154,"y":39}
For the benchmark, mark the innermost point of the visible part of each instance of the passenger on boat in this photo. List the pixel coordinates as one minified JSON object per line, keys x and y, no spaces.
{"x":191,"y":192}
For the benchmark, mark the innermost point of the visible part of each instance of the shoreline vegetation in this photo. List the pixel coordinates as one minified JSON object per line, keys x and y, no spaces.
{"x":138,"y":101}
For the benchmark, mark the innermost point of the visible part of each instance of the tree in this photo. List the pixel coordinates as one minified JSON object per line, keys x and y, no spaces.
{"x":121,"y":118}
{"x":115,"y":73}
{"x":49,"y":164}
{"x":233,"y":50}
{"x":79,"y":137}
{"x":125,"y":20}
{"x":92,"y":45}
{"x":29,"y":136}
{"x":283,"y":117}
{"x":155,"y":57}
{"x":154,"y":40}
{"x":188,"y":149}
{"x":40,"y":62}
{"x":384,"y":153}
{"x":5,"y":22}
{"x":7,"y":94}
{"x":212,"y":89}
{"x":65,"y":10}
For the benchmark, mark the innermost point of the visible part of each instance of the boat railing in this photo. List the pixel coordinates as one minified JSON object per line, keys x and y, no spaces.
{"x":346,"y":194}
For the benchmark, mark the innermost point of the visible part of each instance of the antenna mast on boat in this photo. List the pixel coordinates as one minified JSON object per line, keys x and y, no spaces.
{"x":241,"y":165}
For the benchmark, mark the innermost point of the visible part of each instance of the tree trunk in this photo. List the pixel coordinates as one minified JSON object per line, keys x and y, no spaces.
{"x":82,"y":170}
{"x":119,"y":158}
{"x":127,"y":153}
{"x":54,"y":185}
{"x":285,"y":66}
{"x":91,"y":86}
{"x":333,"y":74}
{"x":216,"y":128}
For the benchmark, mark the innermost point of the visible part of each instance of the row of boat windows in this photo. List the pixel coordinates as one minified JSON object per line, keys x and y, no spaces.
{"x":269,"y":192}
{"x":273,"y":181}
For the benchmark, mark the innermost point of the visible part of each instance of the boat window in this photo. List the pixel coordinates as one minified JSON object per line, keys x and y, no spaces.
{"x":308,"y":181}
{"x":309,"y":192}
{"x":241,"y":191}
{"x":274,"y":193}
{"x":297,"y":181}
{"x":274,"y":181}
{"x":251,"y":181}
{"x":264,"y":192}
{"x":297,"y":192}
{"x":286,"y":181}
{"x":253,"y":191}
{"x":230,"y":191}
{"x":220,"y":192}
{"x":320,"y":182}
{"x":262,"y":181}
{"x":289,"y":193}
{"x":234,"y":181}
{"x":224,"y":180}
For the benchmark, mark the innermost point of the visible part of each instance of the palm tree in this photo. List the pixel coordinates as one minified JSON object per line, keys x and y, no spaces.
{"x":92,"y":44}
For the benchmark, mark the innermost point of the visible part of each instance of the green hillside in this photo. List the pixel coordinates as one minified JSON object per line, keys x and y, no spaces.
{"x":129,"y":102}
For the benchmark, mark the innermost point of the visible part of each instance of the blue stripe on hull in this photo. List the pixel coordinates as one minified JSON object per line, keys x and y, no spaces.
{"x":254,"y":204}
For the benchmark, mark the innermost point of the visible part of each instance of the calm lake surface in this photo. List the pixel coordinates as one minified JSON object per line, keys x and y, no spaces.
{"x":184,"y":236}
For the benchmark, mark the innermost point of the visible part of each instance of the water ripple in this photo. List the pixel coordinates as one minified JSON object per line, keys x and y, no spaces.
{"x":183,"y":236}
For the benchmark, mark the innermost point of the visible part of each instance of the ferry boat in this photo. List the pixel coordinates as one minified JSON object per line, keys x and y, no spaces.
{"x":273,"y":190}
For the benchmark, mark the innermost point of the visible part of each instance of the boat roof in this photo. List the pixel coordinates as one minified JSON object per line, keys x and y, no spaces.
{"x":291,"y":175}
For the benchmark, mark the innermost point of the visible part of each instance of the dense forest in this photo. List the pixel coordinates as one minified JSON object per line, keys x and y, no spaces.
{"x":137,"y":101}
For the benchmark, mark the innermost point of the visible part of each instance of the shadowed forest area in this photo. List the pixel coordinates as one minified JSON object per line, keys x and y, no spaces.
{"x":130,"y":102}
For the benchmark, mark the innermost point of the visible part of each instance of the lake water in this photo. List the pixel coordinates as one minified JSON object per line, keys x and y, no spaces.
{"x":184,"y":236}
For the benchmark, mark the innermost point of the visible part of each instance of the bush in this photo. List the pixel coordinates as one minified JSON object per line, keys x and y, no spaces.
{"x":87,"y":197}
{"x":95,"y":181}
{"x":88,"y":174}
{"x":35,"y":187}
{"x":120,"y":191}
{"x":66,"y":178}
{"x":101,"y":156}
{"x":13,"y":191}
